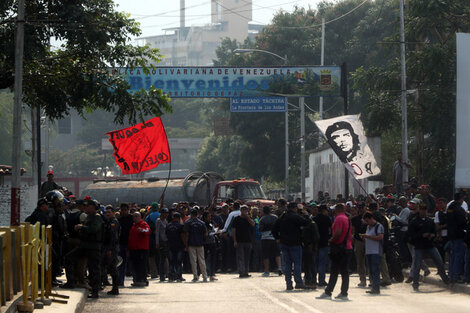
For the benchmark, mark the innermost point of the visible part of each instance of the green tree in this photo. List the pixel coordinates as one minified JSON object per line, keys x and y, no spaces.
{"x":92,"y":37}
{"x":431,"y":26}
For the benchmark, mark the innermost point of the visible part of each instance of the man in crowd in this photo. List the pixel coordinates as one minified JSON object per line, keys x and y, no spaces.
{"x":138,"y":247}
{"x":242,"y":233}
{"x":195,"y":231}
{"x":111,"y":249}
{"x":175,"y":236}
{"x":456,"y":230}
{"x":360,"y":227}
{"x":48,"y":185}
{"x":41,"y":214}
{"x":310,"y":238}
{"x":288,"y":231}
{"x":324,"y":223}
{"x":269,"y":246}
{"x":402,"y":220}
{"x":161,"y":242}
{"x":154,"y":255}
{"x":373,"y":238}
{"x":125,"y":222}
{"x":341,"y":229}
{"x":91,"y":236}
{"x":422,"y":233}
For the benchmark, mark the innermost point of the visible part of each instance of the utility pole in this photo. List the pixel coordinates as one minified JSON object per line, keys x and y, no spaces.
{"x":287,"y":152}
{"x":34,"y":147}
{"x":322,"y":61}
{"x":302,"y":147}
{"x":344,"y":84}
{"x":286,"y":196}
{"x":404,"y":113}
{"x":16,"y":151}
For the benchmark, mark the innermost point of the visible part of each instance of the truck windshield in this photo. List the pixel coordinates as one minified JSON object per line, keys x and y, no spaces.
{"x":250,"y":191}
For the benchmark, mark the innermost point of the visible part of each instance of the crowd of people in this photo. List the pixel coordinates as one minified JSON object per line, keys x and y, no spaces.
{"x":376,"y":235}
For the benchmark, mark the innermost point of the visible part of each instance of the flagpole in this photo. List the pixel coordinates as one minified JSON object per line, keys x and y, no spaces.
{"x":169,"y":170}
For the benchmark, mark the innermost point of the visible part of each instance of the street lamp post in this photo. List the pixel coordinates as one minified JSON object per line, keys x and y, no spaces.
{"x":286,"y":194}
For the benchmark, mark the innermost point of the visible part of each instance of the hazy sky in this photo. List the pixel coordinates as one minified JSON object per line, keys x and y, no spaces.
{"x":158,"y":14}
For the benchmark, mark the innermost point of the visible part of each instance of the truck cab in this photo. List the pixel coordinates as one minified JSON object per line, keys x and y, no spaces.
{"x":248,"y":191}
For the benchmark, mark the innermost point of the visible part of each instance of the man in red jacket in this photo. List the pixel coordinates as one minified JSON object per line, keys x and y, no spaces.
{"x":138,"y":247}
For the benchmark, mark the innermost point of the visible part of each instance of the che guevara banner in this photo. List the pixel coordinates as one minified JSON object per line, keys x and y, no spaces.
{"x":140,"y":147}
{"x":345,"y":134}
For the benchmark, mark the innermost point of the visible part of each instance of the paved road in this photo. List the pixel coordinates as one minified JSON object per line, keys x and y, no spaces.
{"x":260,"y":294}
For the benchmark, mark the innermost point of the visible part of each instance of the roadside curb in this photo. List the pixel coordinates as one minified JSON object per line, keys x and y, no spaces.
{"x":434,"y":279}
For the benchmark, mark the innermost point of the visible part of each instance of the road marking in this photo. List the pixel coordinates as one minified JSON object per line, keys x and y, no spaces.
{"x":273,"y":299}
{"x":305,"y":305}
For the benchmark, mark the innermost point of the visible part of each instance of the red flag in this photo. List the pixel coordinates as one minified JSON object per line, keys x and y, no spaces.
{"x":140,"y":147}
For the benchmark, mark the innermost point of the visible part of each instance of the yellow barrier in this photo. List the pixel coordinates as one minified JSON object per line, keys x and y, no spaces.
{"x":26,"y":266}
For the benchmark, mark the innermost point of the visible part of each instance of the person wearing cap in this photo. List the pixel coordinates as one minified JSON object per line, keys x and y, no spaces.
{"x":242,"y":233}
{"x":41,"y":214}
{"x":288,"y":232}
{"x":422,"y":233}
{"x":48,"y":185}
{"x":161,"y":242}
{"x":91,"y":237}
{"x":175,"y":236}
{"x":195,"y":232}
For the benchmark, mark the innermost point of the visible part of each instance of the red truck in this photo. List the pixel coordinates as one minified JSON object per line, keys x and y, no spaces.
{"x":248,"y":191}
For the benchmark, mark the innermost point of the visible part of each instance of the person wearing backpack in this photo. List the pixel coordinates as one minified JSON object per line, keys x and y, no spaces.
{"x":374,"y":249}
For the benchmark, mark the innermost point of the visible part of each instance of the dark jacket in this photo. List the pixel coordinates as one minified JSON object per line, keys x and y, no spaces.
{"x":417,"y":228}
{"x":44,"y":218}
{"x":91,"y":233}
{"x":288,"y":228}
{"x":126,"y":223}
{"x":112,"y":230}
{"x":311,"y":236}
{"x":456,"y":221}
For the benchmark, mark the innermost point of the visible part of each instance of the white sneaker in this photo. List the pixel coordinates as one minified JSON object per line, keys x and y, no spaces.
{"x":324,"y":296}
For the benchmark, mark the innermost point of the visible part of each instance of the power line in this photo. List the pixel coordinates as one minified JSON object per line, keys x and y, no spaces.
{"x":328,"y":22}
{"x":213,"y":14}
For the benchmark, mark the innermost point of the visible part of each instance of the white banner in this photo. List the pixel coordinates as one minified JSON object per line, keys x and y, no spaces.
{"x":345,"y":134}
{"x":462,"y":162}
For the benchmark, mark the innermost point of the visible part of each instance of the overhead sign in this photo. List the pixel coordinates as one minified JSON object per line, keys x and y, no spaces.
{"x":227,"y":82}
{"x":258,"y":104}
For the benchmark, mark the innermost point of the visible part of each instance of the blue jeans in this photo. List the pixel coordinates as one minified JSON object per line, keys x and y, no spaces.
{"x":457,"y":259}
{"x":434,"y":254}
{"x":175,"y":262}
{"x":322,"y":261}
{"x":373,"y":262}
{"x":292,"y":255}
{"x":467,"y":264}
